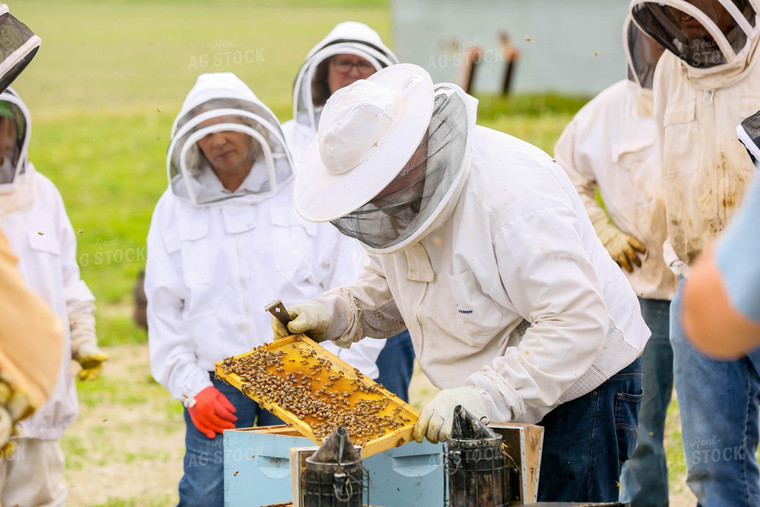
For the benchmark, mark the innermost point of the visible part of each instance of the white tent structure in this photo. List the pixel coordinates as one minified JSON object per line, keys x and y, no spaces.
{"x":567,"y":46}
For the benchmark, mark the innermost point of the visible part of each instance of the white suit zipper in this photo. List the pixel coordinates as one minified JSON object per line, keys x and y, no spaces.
{"x":244,"y":286}
{"x":419,"y":320}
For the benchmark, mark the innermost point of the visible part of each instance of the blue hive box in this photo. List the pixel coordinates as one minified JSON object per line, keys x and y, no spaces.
{"x":257,"y":470}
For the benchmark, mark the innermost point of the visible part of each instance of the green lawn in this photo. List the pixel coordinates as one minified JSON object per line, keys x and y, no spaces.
{"x":103,"y":92}
{"x":144,"y":56}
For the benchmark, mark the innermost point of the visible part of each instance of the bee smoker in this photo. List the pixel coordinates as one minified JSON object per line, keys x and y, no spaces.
{"x":475,"y":469}
{"x":334,"y":475}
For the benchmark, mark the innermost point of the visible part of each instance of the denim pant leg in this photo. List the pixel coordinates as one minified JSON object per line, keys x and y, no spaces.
{"x":396,"y":365}
{"x":644,"y":480}
{"x":202,"y":485}
{"x":587,"y":440}
{"x":718,"y":403}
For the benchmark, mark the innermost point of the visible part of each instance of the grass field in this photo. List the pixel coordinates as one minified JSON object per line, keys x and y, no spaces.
{"x":103,"y":92}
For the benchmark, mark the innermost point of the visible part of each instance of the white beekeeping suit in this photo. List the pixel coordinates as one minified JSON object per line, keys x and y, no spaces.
{"x":34,"y":220}
{"x":29,"y":368}
{"x":309,"y":95}
{"x":704,"y":86}
{"x":482,"y":308}
{"x":215,"y":257}
{"x":611,"y":144}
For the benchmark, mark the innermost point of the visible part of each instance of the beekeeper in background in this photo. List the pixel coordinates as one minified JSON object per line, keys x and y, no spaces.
{"x":351,"y":51}
{"x":722,"y":293}
{"x":29,"y":368}
{"x":34,"y":219}
{"x":224,"y":241}
{"x":705,"y":85}
{"x":481,"y":247}
{"x":610,"y":145}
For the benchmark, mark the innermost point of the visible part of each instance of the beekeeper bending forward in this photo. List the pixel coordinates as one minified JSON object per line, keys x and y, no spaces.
{"x":351,"y":51}
{"x":481,"y":247}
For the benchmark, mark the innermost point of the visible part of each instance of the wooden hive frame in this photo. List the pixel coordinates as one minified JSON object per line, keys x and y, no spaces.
{"x":327,"y":378}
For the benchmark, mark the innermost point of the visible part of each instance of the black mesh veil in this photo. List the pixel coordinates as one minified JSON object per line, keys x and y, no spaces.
{"x":643,"y":53}
{"x":702,"y":33}
{"x":749,"y":135}
{"x":416,"y":196}
{"x":14,"y":139}
{"x":18,"y":45}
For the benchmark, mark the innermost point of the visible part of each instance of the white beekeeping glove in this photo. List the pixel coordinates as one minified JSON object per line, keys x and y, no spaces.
{"x":310,"y":318}
{"x":84,"y":343}
{"x":437,"y":417}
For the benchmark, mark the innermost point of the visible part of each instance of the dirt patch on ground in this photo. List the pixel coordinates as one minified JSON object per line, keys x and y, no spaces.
{"x":127,"y":445}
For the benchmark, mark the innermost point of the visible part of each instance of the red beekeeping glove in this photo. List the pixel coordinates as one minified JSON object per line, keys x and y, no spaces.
{"x":212,"y":412}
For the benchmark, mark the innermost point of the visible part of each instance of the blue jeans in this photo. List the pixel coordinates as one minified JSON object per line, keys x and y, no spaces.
{"x":587,"y":440}
{"x":203,"y":482}
{"x":644,"y":481}
{"x":718,"y":402}
{"x":396,"y":365}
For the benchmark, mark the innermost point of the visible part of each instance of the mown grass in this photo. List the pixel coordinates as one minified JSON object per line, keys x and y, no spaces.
{"x":123,"y":55}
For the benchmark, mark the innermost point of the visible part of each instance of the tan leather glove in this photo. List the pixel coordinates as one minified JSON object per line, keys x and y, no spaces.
{"x":311,"y":318}
{"x":622,"y":248}
{"x":14,"y":407}
{"x":91,"y":359}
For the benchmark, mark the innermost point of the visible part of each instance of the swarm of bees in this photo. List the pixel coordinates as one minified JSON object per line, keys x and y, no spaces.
{"x":310,"y":388}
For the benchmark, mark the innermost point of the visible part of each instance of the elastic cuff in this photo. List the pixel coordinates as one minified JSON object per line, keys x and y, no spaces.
{"x":345,"y":318}
{"x":89,"y":347}
{"x":188,"y":397}
{"x":503,"y":402}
